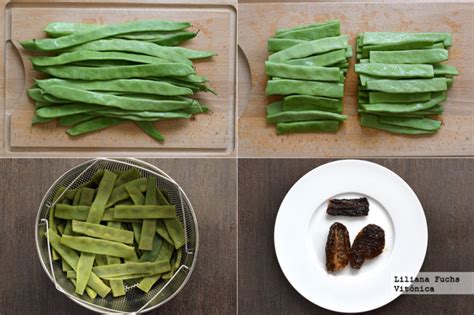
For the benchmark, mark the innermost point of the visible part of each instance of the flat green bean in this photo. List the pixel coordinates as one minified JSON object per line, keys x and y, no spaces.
{"x":117,"y":270}
{"x":134,"y":46}
{"x":98,"y":246}
{"x":373,"y":121}
{"x":88,"y":55}
{"x":436,"y":99}
{"x":83,"y":271}
{"x":87,"y":196}
{"x":127,"y":176}
{"x":310,"y":48}
{"x":66,"y":110}
{"x":163,"y":232}
{"x":409,"y":56}
{"x":309,"y":115}
{"x":150,"y":130}
{"x":118,"y":289}
{"x":323,"y":60}
{"x":144,"y":212}
{"x":126,"y":103}
{"x":382,"y":97}
{"x":120,"y":192}
{"x":329,"y":29}
{"x":119,"y":72}
{"x":51,"y":44}
{"x":416,"y":123}
{"x":308,"y":126}
{"x":174,"y":227}
{"x":307,"y":102}
{"x":395,"y":70}
{"x":278,"y":44}
{"x":315,"y":73}
{"x":119,"y":85}
{"x":377,"y":38}
{"x":102,"y":232}
{"x":71,"y":257}
{"x":441,"y":69}
{"x":408,"y":86}
{"x":74,"y":119}
{"x":104,"y":192}
{"x":149,"y":225}
{"x":314,"y":88}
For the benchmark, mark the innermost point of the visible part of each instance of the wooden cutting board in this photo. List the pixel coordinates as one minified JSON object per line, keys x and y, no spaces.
{"x":258,"y":22}
{"x":211,"y":133}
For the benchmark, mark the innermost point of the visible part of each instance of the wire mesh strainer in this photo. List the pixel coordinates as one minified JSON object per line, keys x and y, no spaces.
{"x":135,"y":301}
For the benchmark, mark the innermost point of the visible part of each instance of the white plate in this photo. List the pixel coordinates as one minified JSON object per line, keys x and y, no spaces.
{"x":302,"y":226}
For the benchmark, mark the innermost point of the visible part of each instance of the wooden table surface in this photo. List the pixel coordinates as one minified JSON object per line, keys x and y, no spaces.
{"x":444,"y":188}
{"x":210,"y":185}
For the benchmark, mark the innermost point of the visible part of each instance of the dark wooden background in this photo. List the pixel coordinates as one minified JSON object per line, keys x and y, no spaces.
{"x":444,"y":187}
{"x":210,"y":185}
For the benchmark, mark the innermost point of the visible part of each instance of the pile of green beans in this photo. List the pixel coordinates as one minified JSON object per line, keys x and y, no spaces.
{"x":113,"y":228}
{"x":105,"y":75}
{"x":402,"y":81}
{"x":307,"y":65}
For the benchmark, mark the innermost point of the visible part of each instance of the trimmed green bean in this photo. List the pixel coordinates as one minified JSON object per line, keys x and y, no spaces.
{"x":120,"y":192}
{"x":116,"y":270}
{"x":310,"y":48}
{"x":408,"y":86}
{"x":373,"y":121}
{"x":314,"y":88}
{"x":382,"y":97}
{"x":83,"y":271}
{"x":102,"y":232}
{"x":127,"y":176}
{"x":149,"y":225}
{"x":436,"y":99}
{"x":144,"y":212}
{"x":315,"y":73}
{"x":278,"y":44}
{"x":377,"y":38}
{"x":71,"y":257}
{"x":309,"y":115}
{"x":307,"y":102}
{"x":308,"y":126}
{"x":174,"y":227}
{"x":395,"y":70}
{"x":98,"y":246}
{"x":163,"y":232}
{"x":409,"y":56}
{"x":416,"y":123}
{"x":118,"y":289}
{"x":104,"y":192}
{"x":323,"y":60}
{"x":152,"y":254}
{"x":329,"y":29}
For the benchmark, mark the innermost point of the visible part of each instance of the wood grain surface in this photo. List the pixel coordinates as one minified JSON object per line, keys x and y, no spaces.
{"x":258,"y":22}
{"x":444,"y":187}
{"x":211,"y":187}
{"x":210,"y":134}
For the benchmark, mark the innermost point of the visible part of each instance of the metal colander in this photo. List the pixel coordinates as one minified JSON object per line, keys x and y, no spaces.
{"x":135,"y":301}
